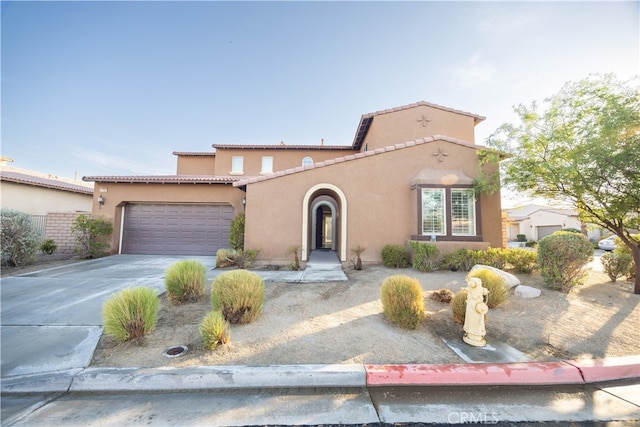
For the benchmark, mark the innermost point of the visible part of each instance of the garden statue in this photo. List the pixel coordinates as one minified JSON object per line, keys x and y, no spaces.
{"x":474,"y":329}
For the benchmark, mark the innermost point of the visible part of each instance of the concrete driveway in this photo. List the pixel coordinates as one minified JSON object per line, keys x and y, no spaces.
{"x":51,"y":320}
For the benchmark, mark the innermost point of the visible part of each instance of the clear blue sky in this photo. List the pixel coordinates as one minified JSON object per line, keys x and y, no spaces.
{"x":114,"y":88}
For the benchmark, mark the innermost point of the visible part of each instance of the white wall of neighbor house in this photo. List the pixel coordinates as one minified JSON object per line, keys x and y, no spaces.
{"x":39,"y":200}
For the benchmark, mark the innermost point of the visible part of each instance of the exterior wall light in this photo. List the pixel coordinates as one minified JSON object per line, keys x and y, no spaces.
{"x":101,"y":200}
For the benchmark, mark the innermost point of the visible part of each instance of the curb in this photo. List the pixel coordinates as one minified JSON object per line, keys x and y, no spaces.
{"x":320,"y":376}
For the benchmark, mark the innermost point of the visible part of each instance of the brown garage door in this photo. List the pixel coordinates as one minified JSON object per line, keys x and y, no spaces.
{"x":173,"y":229}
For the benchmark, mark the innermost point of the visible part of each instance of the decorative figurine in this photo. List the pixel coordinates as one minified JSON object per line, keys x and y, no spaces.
{"x":474,"y":329}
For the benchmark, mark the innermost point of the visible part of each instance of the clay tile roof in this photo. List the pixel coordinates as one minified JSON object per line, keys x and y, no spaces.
{"x":281,"y":147}
{"x":351,"y":157}
{"x":35,"y":180}
{"x":194,"y":153}
{"x":164,"y":179}
{"x":366,"y":119}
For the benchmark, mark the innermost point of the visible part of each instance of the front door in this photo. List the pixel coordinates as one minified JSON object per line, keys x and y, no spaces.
{"x":324,"y":229}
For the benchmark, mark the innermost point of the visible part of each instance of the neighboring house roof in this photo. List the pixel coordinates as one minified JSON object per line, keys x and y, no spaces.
{"x":366,"y":119}
{"x":194,"y":153}
{"x":36,"y":180}
{"x":523,"y":213}
{"x":164,"y":179}
{"x":282,"y":147}
{"x":250,"y":180}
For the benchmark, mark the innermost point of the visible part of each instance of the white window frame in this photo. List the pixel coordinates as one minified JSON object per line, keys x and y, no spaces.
{"x":443,"y":214}
{"x":470,"y":219}
{"x":307,"y":161}
{"x":267,"y":165}
{"x":237,"y":165}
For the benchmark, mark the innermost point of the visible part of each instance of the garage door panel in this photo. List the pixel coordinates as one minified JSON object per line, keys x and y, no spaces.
{"x":176,"y":229}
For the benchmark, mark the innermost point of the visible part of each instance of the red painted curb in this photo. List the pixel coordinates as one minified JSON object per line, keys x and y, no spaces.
{"x":614,"y":368}
{"x":533,"y":373}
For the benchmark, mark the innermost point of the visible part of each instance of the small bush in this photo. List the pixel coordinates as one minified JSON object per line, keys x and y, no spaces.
{"x":402,"y":301}
{"x":460,"y":259}
{"x":493,"y":257}
{"x":239,"y":294}
{"x":295,"y":264}
{"x":91,"y":236}
{"x":426,"y":256}
{"x":184,"y":281}
{"x":357,"y":251}
{"x":214,"y":330}
{"x":236,"y":232}
{"x":498,"y":291}
{"x":20,"y":239}
{"x":395,"y":256}
{"x":236,"y":258}
{"x":131,"y":314}
{"x":521,"y":237}
{"x":459,"y":306}
{"x":561,"y":259}
{"x":621,"y":249}
{"x":531,"y":244}
{"x":442,"y":295}
{"x":48,"y":247}
{"x":616,"y":264}
{"x":522,"y":260}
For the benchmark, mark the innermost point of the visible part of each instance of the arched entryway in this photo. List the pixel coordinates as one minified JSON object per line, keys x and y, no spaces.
{"x":324,"y":221}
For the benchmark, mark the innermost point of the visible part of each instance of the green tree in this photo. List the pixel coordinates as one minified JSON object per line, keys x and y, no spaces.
{"x":584,"y":148}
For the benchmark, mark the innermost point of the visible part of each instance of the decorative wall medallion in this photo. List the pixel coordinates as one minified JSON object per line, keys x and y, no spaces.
{"x":424,"y":120}
{"x":440,"y":155}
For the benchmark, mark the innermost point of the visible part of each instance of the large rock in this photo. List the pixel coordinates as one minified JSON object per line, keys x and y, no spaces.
{"x":523,"y":291}
{"x":509,"y":279}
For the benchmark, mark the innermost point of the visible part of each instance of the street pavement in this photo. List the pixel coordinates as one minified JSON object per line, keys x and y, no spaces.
{"x":51,"y":323}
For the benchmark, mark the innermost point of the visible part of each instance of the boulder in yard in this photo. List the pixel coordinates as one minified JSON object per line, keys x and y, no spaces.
{"x":509,"y":279}
{"x":524,"y":291}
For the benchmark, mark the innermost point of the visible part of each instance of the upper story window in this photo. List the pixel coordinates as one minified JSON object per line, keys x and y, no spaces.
{"x":448,"y":212}
{"x":307,"y":161}
{"x":267,"y":164}
{"x":237,"y":165}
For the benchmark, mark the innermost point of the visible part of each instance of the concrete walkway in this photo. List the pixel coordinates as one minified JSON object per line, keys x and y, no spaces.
{"x":51,"y":323}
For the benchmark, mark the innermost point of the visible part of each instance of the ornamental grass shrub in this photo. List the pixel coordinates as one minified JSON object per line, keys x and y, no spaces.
{"x":395,"y":256}
{"x":562,"y":257}
{"x":498,"y":291}
{"x":131,"y":314}
{"x":214,"y":330}
{"x":239,"y":295}
{"x":426,"y":256}
{"x":402,"y":301}
{"x":459,"y":306}
{"x":184,"y":281}
{"x":616,"y":264}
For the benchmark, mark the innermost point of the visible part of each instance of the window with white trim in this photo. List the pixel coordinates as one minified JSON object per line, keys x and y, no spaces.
{"x":307,"y":161}
{"x":434,"y":213}
{"x":463,"y":212}
{"x":267,"y":164}
{"x":237,"y":165}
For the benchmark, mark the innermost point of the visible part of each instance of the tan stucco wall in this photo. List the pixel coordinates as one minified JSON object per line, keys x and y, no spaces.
{"x":381,"y":206}
{"x":401,"y":126}
{"x":119,"y":194}
{"x":196,"y":165}
{"x":282,"y":158}
{"x":38,"y":200}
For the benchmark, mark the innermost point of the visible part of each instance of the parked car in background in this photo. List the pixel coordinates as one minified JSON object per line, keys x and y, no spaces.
{"x":608,"y":244}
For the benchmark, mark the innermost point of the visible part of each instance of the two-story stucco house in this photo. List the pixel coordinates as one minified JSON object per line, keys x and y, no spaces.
{"x":407,"y":175}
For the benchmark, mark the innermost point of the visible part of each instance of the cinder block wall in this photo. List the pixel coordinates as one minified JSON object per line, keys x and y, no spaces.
{"x":58,"y":229}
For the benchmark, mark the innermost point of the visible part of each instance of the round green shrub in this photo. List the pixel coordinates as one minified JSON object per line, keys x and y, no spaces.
{"x":562,"y":257}
{"x":184,"y":281}
{"x":459,"y":306}
{"x":498,"y":291}
{"x":214,"y":330}
{"x":426,"y":256}
{"x":522,"y":260}
{"x":131,"y":314}
{"x":402,"y":301}
{"x":48,"y":247}
{"x":460,"y":259}
{"x":239,"y":295}
{"x":616,"y":264}
{"x":395,"y":256}
{"x":20,"y":238}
